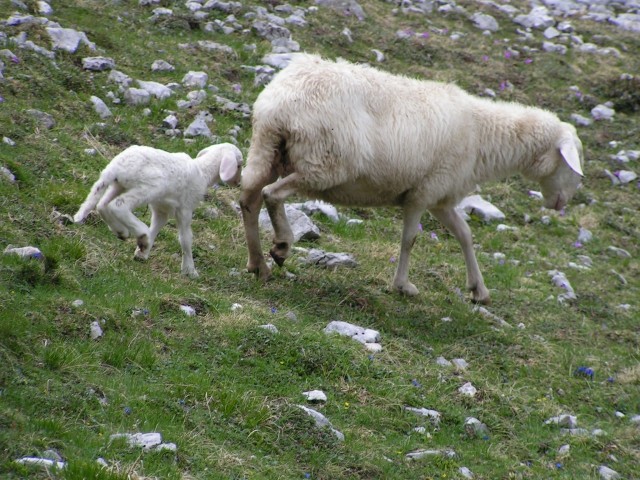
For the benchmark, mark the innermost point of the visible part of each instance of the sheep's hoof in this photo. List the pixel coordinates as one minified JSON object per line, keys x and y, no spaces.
{"x":408,"y":289}
{"x":262,"y":272}
{"x":122,"y":235}
{"x":480,"y":296}
{"x":279,"y":259}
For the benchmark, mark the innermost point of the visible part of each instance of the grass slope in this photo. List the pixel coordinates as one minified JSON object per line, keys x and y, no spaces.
{"x":225,"y":390}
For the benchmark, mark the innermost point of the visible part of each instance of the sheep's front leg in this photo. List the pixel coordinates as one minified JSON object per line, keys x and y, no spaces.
{"x":185,"y":235}
{"x":250,"y":202}
{"x":274,"y":196}
{"x":159,"y":218}
{"x":450,"y":218}
{"x":409,"y":232}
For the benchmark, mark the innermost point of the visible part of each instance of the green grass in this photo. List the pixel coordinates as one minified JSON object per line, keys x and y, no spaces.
{"x":225,"y":390}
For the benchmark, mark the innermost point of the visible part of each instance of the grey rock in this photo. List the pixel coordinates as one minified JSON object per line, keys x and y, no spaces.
{"x":155,"y":89}
{"x":41,"y":462}
{"x":419,"y":454}
{"x":170,"y":121}
{"x":432,"y":415}
{"x":301,"y":225}
{"x":226,"y":7}
{"x":199,"y":127}
{"x":324,"y":259}
{"x":312,"y":207}
{"x":322,"y":421}
{"x":360,"y":334}
{"x":538,"y":18}
{"x":500,"y":322}
{"x":607,"y":473}
{"x":98,"y":64}
{"x":68,"y":39}
{"x":559,"y":279}
{"x":564,"y":420}
{"x":269,"y":327}
{"x":620,"y":252}
{"x":269,"y":30}
{"x":136,"y":96}
{"x":602,"y":112}
{"x":584,"y":235}
{"x":6,"y":173}
{"x":475,"y":428}
{"x":278,"y":60}
{"x":485,"y":22}
{"x":465,"y":472}
{"x":195,"y":79}
{"x":209,"y":46}
{"x":100,"y":107}
{"x":554,"y":48}
{"x":44,"y":119}
{"x":476,"y":205}
{"x":315,"y":396}
{"x":162,"y":66}
{"x":580,"y":120}
{"x":119,"y":78}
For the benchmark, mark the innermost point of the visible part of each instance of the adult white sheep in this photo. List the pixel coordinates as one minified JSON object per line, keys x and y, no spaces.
{"x":353,"y":135}
{"x":172,"y":184}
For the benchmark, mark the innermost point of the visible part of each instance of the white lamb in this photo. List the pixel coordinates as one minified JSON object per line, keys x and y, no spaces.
{"x":353,"y":135}
{"x":172,"y":184}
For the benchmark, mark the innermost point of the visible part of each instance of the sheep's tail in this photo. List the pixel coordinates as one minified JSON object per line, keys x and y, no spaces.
{"x":97,"y":191}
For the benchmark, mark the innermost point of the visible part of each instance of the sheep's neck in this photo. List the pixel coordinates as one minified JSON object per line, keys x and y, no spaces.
{"x":521,"y":141}
{"x":207,"y":171}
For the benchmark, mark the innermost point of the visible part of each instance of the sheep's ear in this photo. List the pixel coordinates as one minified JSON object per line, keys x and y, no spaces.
{"x":569,"y":152}
{"x":228,"y":167}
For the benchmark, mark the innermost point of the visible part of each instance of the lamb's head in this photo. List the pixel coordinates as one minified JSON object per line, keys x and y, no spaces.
{"x":224,"y":161}
{"x":566,"y":175}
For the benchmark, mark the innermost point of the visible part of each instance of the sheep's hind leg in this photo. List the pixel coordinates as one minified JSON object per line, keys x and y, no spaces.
{"x":104,"y":210}
{"x":274,"y":196}
{"x":121,"y":209}
{"x":159,"y":218}
{"x":450,"y":218}
{"x":409,"y":232}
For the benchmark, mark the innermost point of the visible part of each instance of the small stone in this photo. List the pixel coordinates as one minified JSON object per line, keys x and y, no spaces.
{"x":564,"y":420}
{"x":96,"y":331}
{"x":443,"y":362}
{"x":188,"y":310}
{"x":618,"y":251}
{"x":235,"y":307}
{"x":432,"y":415}
{"x":465,"y":472}
{"x":602,"y":112}
{"x":418,"y":454}
{"x":468,"y":390}
{"x":564,"y":450}
{"x":77,"y":303}
{"x":460,"y":363}
{"x":269,"y":327}
{"x":607,"y":473}
{"x":98,"y":64}
{"x":315,"y":396}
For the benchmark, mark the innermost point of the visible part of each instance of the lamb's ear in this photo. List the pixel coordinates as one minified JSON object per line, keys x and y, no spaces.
{"x":569,"y":152}
{"x":228,"y":167}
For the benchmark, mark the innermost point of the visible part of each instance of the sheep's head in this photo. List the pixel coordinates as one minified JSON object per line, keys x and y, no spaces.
{"x":227,"y":161}
{"x":559,"y":187}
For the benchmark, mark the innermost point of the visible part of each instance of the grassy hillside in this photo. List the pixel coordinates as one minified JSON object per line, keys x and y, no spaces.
{"x":225,"y":390}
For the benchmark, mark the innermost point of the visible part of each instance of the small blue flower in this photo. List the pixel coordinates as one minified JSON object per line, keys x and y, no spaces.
{"x":558,"y":465}
{"x":416,"y":383}
{"x":274,"y":309}
{"x":127,"y":410}
{"x":611,"y":379}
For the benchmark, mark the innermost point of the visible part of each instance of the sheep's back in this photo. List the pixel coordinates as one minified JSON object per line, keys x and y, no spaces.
{"x":345,"y":124}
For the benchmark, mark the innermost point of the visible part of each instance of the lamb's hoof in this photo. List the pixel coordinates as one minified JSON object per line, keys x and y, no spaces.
{"x":408,"y":289}
{"x":122,"y":235}
{"x":262,"y":272}
{"x":140,"y":255}
{"x":191,"y":273}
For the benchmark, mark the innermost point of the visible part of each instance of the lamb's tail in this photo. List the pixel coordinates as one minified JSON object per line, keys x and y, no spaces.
{"x":97,"y":191}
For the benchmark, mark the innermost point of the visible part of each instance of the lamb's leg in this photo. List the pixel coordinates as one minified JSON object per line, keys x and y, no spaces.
{"x":411,"y":221}
{"x":121,"y":209}
{"x":450,"y":218}
{"x":185,"y":234}
{"x":274,"y":196}
{"x":114,"y":224}
{"x":250,"y":202}
{"x":159,"y":218}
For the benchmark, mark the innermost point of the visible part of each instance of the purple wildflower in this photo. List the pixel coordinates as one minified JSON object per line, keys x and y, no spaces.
{"x":237,"y":88}
{"x":419,"y":226}
{"x":577,"y":244}
{"x":485,"y":58}
{"x":392,"y":259}
{"x":527,"y":61}
{"x":425,"y":35}
{"x":507,"y":54}
{"x":434,"y":236}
